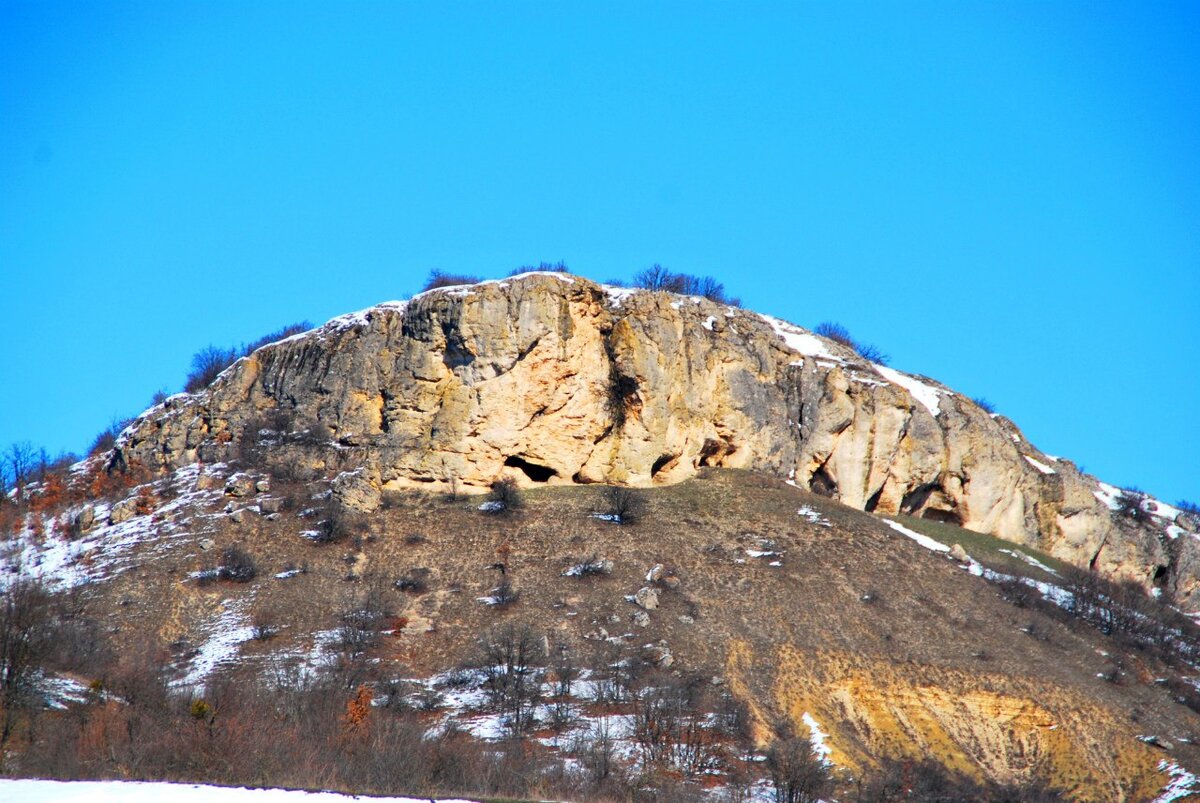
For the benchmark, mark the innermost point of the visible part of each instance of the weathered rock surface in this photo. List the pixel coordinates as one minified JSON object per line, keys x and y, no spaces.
{"x":554,"y":379}
{"x":646,"y":597}
{"x":124,"y":510}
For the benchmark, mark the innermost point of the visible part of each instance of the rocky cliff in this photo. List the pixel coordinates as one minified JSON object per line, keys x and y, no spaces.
{"x":550,"y":378}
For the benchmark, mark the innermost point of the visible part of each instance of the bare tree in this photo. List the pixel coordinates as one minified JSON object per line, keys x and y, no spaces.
{"x":797,"y":774}
{"x":20,"y":458}
{"x":207,"y":364}
{"x":511,"y":679}
{"x":25,"y":638}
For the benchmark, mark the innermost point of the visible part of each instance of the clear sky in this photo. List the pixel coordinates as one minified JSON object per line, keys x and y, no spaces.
{"x":1003,"y":196}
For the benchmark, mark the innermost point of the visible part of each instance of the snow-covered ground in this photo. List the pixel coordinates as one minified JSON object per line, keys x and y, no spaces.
{"x":39,"y":791}
{"x":799,"y":340}
{"x":227,"y":633}
{"x":108,"y":549}
{"x":1183,"y":784}
{"x":923,"y":540}
{"x":927,"y":395}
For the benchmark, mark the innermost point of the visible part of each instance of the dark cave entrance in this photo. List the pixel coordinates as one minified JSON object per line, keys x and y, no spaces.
{"x":531,"y":470}
{"x":946,"y":516}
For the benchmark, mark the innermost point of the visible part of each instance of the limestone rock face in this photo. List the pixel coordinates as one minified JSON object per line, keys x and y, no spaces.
{"x":550,"y":378}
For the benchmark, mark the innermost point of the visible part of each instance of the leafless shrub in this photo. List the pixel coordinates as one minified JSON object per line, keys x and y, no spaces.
{"x":627,"y":505}
{"x":1190,"y":510}
{"x":840,"y":334}
{"x":25,"y":639}
{"x":339,"y":524}
{"x":414,"y":581}
{"x":107,"y":437}
{"x":563,"y":671}
{"x":363,"y":617}
{"x":503,"y":594}
{"x":1130,"y":504}
{"x":278,"y":334}
{"x":440,"y":278}
{"x":541,"y":267}
{"x":264,"y":625}
{"x":510,"y":660}
{"x":622,"y":394}
{"x":670,"y":726}
{"x":20,"y":460}
{"x":797,"y":773}
{"x":506,"y":496}
{"x":207,"y":365}
{"x":656,"y":277}
{"x":591,"y":566}
{"x":1016,"y":591}
{"x":733,"y":718}
{"x":984,"y":404}
{"x":596,"y":752}
{"x":237,"y":566}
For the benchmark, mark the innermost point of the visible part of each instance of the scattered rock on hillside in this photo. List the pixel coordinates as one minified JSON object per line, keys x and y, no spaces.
{"x":239,"y":485}
{"x":646,"y":598}
{"x":358,"y":490}
{"x":123,"y":511}
{"x":85,"y":519}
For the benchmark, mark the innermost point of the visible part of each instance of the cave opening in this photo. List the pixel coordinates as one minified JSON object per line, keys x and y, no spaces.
{"x":663,"y":463}
{"x":531,"y":470}
{"x":873,"y":502}
{"x":946,"y":516}
{"x":823,"y":483}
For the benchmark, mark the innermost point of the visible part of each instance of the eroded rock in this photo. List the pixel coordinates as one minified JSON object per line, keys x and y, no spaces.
{"x":551,"y":379}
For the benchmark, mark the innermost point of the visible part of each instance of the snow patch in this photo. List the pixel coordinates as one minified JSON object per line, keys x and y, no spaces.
{"x":818,"y":738}
{"x":927,"y":395}
{"x":28,"y":790}
{"x":812,"y":515}
{"x":616,"y":295}
{"x":1030,"y":559}
{"x":228,"y":632}
{"x":1109,"y":495}
{"x":1183,"y":784}
{"x":59,"y":692}
{"x":1040,"y":466}
{"x":106,"y":550}
{"x":799,"y":340}
{"x":923,"y":540}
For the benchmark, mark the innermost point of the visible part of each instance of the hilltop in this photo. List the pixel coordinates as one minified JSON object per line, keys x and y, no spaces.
{"x":706,"y":533}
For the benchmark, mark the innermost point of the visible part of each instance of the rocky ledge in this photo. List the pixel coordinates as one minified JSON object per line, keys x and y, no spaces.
{"x":552,"y":379}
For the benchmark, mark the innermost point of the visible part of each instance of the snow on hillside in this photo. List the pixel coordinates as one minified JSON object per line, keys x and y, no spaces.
{"x":927,"y":395}
{"x":109,"y":549}
{"x":39,"y":791}
{"x":923,"y":540}
{"x":799,"y":340}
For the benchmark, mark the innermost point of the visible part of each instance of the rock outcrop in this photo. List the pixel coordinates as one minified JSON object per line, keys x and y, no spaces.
{"x":550,"y":378}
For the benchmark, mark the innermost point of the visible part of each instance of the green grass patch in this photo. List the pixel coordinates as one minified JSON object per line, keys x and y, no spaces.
{"x":994,"y":553}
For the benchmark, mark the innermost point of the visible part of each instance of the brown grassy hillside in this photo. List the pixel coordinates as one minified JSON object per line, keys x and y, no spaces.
{"x":804,"y":608}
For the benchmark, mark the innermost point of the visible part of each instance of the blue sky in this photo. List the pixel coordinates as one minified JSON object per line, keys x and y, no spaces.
{"x":1003,"y":196}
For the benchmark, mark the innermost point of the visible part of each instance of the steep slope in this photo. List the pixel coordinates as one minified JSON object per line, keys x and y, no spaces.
{"x":818,"y":617}
{"x":553,"y":379}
